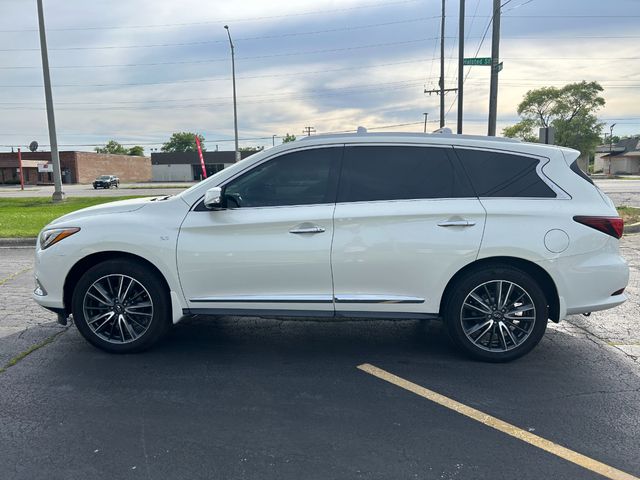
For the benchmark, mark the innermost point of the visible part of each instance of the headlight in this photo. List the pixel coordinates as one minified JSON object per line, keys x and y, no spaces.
{"x":50,"y":237}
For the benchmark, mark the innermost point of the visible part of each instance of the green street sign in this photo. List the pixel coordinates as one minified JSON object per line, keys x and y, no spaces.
{"x":477,"y":61}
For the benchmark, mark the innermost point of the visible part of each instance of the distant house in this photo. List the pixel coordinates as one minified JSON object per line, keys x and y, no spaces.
{"x":619,"y":158}
{"x":185,"y":166}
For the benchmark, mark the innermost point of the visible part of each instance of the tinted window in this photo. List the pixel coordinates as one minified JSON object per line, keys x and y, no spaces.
{"x":503,"y":175}
{"x":298,"y":178}
{"x":395,"y":173}
{"x":578,"y":171}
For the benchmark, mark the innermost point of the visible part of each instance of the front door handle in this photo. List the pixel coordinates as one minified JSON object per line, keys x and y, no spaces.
{"x":457,"y":223}
{"x":307,"y":228}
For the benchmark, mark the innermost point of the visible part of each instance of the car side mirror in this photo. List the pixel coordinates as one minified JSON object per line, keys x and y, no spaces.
{"x":213,"y":199}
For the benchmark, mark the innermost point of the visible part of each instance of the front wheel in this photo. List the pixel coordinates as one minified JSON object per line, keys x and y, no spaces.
{"x":121,"y":306}
{"x":496,"y":314}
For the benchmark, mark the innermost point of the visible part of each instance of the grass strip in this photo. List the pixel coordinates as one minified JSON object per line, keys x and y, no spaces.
{"x":630,"y":215}
{"x":24,"y":217}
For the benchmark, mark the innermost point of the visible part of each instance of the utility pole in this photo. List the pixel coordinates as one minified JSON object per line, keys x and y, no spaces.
{"x":58,"y":194}
{"x":495,"y":60}
{"x":426,"y":114}
{"x":309,"y":131}
{"x":235,"y":108}
{"x":460,"y":65}
{"x":441,"y":91}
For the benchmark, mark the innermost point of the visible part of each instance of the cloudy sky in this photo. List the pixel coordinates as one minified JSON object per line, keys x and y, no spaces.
{"x":138,"y":70}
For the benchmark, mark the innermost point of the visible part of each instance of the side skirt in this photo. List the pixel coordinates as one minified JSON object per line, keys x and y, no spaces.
{"x":268,"y":313}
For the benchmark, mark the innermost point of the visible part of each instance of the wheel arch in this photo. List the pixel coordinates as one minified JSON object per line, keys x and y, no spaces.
{"x":89,"y":261}
{"x":539,"y":274}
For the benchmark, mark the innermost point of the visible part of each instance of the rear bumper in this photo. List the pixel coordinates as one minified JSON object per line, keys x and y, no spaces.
{"x":586,"y":283}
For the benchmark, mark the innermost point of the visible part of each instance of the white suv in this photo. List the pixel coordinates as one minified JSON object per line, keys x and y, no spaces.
{"x":494,"y":236}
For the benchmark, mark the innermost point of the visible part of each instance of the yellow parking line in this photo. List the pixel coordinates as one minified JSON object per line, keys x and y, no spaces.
{"x":504,"y":427}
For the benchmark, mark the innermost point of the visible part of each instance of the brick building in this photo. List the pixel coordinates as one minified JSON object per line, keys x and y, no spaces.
{"x":185,"y":166}
{"x":76,"y":167}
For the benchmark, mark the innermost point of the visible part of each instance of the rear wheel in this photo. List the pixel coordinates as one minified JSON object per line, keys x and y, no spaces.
{"x":121,"y":306}
{"x":496,"y":314}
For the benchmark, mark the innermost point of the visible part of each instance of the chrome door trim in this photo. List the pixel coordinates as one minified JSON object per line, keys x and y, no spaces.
{"x":362,"y":298}
{"x":265,"y":299}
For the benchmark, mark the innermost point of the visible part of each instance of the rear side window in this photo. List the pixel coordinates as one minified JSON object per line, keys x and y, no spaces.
{"x":578,"y":171}
{"x":503,"y":174}
{"x":371,"y":173}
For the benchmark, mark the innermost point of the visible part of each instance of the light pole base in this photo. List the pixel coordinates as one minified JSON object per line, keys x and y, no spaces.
{"x":58,"y":196}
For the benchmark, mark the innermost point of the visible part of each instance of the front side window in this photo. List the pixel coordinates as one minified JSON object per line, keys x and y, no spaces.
{"x":371,"y":173}
{"x":299,"y":178}
{"x":495,"y":174}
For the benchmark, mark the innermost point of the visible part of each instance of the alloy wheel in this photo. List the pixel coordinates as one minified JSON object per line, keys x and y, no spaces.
{"x":498,"y":316}
{"x":118,"y":308}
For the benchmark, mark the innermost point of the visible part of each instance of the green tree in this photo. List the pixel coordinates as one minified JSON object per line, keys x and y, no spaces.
{"x":570,"y":110}
{"x":183,"y":142}
{"x":605,"y":140}
{"x":112,"y":147}
{"x":288,"y":138}
{"x":136,"y":150}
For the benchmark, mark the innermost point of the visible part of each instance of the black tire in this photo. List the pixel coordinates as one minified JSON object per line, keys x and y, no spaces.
{"x":506,"y":346}
{"x":95,"y":188}
{"x":150,"y":289}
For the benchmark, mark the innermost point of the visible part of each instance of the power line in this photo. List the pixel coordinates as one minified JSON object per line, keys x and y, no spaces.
{"x":210,"y":42}
{"x":220,"y":22}
{"x":270,"y":98}
{"x":193,"y":62}
{"x":237,"y":20}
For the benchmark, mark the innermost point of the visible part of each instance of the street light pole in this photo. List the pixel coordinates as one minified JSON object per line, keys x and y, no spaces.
{"x":235,"y":108}
{"x":58,"y":194}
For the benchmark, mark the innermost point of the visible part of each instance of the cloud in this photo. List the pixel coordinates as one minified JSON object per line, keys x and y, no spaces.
{"x":333,"y":65}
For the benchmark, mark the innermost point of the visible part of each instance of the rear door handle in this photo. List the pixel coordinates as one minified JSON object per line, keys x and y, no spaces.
{"x":457,"y":223}
{"x":306,"y":228}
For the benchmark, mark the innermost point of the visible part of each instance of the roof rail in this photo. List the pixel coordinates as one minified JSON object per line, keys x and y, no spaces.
{"x":441,"y":132}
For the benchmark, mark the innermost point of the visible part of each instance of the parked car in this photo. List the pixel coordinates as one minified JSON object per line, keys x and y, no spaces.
{"x":494,"y":236}
{"x":106,"y":181}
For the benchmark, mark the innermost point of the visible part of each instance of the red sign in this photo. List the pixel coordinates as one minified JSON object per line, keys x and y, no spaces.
{"x":204,"y":170}
{"x":21,"y":174}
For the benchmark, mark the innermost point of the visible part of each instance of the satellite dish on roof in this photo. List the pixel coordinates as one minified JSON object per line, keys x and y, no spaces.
{"x":33,"y":146}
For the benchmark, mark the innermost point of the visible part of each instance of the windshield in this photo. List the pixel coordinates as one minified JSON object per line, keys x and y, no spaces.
{"x":104,"y":177}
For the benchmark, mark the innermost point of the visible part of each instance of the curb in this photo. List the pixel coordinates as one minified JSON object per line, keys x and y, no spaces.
{"x":18,"y":242}
{"x":633,"y":228}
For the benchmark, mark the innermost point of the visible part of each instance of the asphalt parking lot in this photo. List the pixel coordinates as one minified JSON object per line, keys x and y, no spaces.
{"x":260,"y":399}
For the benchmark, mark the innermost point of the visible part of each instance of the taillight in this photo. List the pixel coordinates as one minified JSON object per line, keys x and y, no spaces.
{"x":613,"y":226}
